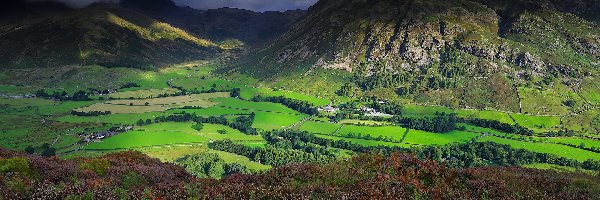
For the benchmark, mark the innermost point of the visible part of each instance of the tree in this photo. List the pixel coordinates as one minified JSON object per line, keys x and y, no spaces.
{"x":222,"y":131}
{"x":30,"y":150}
{"x":198,"y":126}
{"x":49,"y":152}
{"x":235,"y":92}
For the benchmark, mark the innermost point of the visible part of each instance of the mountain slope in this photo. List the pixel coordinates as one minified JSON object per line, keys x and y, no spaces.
{"x":456,"y":53}
{"x":130,"y":33}
{"x":105,"y":34}
{"x":133,"y":175}
{"x":220,"y":25}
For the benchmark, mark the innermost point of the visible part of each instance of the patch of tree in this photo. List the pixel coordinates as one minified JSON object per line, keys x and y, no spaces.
{"x":441,"y":123}
{"x":64,"y":96}
{"x":142,"y":122}
{"x":235,"y":92}
{"x":369,"y":76}
{"x":129,"y":85}
{"x":44,"y":150}
{"x":298,"y":105}
{"x":369,"y":137}
{"x":271,"y":155}
{"x":388,"y":107}
{"x":198,"y":126}
{"x":209,"y":165}
{"x":508,"y":128}
{"x":475,"y":154}
{"x":279,"y":142}
{"x":241,"y":123}
{"x":455,"y":155}
{"x":561,"y":133}
{"x":91,"y":113}
{"x":341,"y":144}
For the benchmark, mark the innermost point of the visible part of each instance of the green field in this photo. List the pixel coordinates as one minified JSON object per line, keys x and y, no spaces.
{"x":538,"y":123}
{"x":170,"y":133}
{"x":363,"y":141}
{"x":394,"y":132}
{"x":155,"y":104}
{"x":320,"y":127}
{"x":142,"y":94}
{"x":556,"y":149}
{"x":137,"y":139}
{"x":425,"y":138}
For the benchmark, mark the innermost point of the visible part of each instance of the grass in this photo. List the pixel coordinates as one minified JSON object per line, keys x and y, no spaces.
{"x":111,"y":119}
{"x":538,"y":123}
{"x":363,"y":122}
{"x":317,"y":101}
{"x":429,"y":111}
{"x":155,"y":104}
{"x":425,"y":138}
{"x":363,"y":141}
{"x":171,"y":133}
{"x":558,"y":168}
{"x":556,"y":149}
{"x":142,"y":94}
{"x":394,"y":132}
{"x":137,"y":139}
{"x":319,"y":127}
{"x":538,"y":102}
{"x":271,"y":121}
{"x":576,"y":141}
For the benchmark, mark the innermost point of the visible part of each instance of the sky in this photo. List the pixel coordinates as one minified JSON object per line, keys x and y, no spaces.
{"x":256,"y":5}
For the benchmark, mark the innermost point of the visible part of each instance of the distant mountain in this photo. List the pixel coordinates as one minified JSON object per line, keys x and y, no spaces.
{"x":468,"y":53}
{"x":220,"y":25}
{"x":131,"y":33}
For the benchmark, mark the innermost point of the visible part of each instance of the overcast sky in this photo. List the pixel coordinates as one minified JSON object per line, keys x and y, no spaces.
{"x":256,"y":5}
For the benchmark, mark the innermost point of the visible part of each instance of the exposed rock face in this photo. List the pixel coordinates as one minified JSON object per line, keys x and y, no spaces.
{"x":445,"y":42}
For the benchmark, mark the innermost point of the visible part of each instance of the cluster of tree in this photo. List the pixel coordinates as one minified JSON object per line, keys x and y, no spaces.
{"x":142,"y":122}
{"x":474,"y":154}
{"x":64,"y":96}
{"x":341,"y":144}
{"x":271,"y":155}
{"x":91,"y":113}
{"x":441,"y":123}
{"x":129,"y":85}
{"x":198,"y":126}
{"x":133,"y":175}
{"x":44,"y":150}
{"x":508,"y":128}
{"x":279,"y":142}
{"x":561,"y":133}
{"x":456,"y":155}
{"x":583,"y":147}
{"x":369,"y":137}
{"x":209,"y":165}
{"x":375,"y":75}
{"x":235,"y":92}
{"x":244,"y":124}
{"x":241,"y":123}
{"x":298,"y":105}
{"x":392,"y":108}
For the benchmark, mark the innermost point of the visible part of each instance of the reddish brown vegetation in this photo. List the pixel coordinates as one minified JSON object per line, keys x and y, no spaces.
{"x":135,"y":175}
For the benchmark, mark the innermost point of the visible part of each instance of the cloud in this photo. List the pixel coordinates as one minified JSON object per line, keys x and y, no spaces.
{"x":256,"y":5}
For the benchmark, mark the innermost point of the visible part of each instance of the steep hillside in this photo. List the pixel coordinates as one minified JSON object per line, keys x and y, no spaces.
{"x":457,"y":53}
{"x":104,"y":34}
{"x":129,"y":33}
{"x":224,"y":25}
{"x":132,"y":175}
